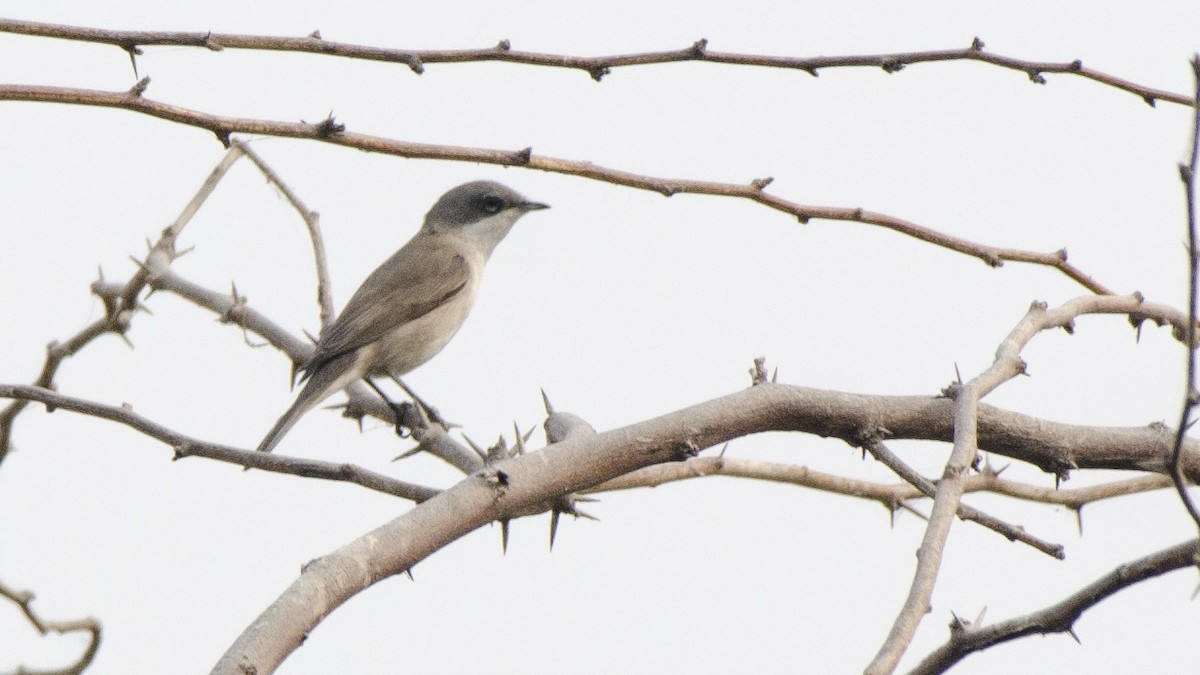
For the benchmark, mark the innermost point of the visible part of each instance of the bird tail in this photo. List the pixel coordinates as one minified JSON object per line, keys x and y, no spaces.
{"x":331,"y":377}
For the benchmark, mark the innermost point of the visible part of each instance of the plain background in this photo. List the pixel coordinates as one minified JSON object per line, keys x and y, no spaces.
{"x":621,"y":304}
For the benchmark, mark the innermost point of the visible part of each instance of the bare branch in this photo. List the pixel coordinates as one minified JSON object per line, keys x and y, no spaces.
{"x":1191,"y":398}
{"x":223,"y":127}
{"x":890,"y":496}
{"x":1060,"y":617}
{"x":24,"y":600}
{"x":881,"y":452}
{"x":595,"y":66}
{"x":1006,"y":365}
{"x":119,"y":305}
{"x":312,"y":220}
{"x":186,"y":446}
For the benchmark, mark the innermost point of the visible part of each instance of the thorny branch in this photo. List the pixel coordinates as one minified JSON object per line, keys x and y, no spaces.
{"x":1187,"y":172}
{"x":967,"y":397}
{"x":595,"y":66}
{"x":966,"y":639}
{"x":120,"y":302}
{"x":881,"y":452}
{"x":329,"y":131}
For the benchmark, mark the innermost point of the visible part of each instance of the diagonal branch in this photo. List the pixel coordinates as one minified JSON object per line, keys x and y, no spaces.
{"x":312,"y":220}
{"x":595,"y":66}
{"x":329,"y":131}
{"x":881,"y":452}
{"x":120,"y":302}
{"x":1060,"y":617}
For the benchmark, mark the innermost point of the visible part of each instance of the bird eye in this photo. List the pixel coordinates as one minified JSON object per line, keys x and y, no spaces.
{"x":492,"y":204}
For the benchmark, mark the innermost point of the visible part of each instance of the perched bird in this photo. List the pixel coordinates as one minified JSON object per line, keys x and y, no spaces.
{"x":411,"y":305}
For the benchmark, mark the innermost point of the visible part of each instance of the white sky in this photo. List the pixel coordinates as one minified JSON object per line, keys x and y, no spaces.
{"x":622,"y":304}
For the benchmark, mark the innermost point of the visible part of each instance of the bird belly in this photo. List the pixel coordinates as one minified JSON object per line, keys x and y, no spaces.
{"x":408,"y":346}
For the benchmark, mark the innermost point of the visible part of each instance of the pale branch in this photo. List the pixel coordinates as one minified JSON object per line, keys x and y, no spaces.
{"x":891,"y":496}
{"x":312,"y":221}
{"x":186,"y":446}
{"x":1053,"y":446}
{"x":966,"y":639}
{"x":329,"y":131}
{"x":1191,"y":398}
{"x":966,"y":445}
{"x":24,"y":600}
{"x":596,"y":66}
{"x":120,"y":305}
{"x":881,"y":452}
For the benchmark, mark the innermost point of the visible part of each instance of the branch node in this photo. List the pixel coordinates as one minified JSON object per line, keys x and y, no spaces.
{"x":699,"y":47}
{"x":1035,"y":76}
{"x":891,"y":64}
{"x":212,"y":44}
{"x":329,"y":127}
{"x":760,"y":183}
{"x":503,"y":45}
{"x":598,"y":72}
{"x":521,"y":157}
{"x":977,"y":44}
{"x":138,"y":89}
{"x":316,"y":35}
{"x":758,"y":374}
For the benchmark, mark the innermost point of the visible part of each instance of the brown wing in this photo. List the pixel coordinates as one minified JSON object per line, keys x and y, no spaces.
{"x":415,"y":280}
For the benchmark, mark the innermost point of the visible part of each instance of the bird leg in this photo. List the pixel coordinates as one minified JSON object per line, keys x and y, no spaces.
{"x":430,"y":411}
{"x":398,"y":409}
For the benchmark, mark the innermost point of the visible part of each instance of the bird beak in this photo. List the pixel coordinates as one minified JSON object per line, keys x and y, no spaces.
{"x":533,"y":206}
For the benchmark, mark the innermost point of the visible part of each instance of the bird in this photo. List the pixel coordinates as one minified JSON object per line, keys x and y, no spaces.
{"x":410,"y":307}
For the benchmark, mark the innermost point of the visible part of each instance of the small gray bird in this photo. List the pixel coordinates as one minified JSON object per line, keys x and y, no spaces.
{"x":412,"y":304}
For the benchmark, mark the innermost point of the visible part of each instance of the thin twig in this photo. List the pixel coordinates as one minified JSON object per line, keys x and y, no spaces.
{"x":1191,"y":398}
{"x":186,"y":446}
{"x":312,"y":220}
{"x":120,"y":305}
{"x":595,"y":66}
{"x":329,"y":131}
{"x":1057,"y":618}
{"x":24,"y":600}
{"x":881,"y":452}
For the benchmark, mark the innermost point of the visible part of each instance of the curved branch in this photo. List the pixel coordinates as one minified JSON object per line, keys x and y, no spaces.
{"x":328,"y":131}
{"x":595,"y":66}
{"x":967,"y":444}
{"x":1058,"y":618}
{"x":24,"y":600}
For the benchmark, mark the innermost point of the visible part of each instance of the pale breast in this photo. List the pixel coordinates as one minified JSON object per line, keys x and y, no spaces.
{"x":415,"y":342}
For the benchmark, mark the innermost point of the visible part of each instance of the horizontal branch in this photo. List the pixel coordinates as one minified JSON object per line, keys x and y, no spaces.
{"x":1055,"y":447}
{"x":595,"y":66}
{"x":329,"y":131}
{"x":890,"y":495}
{"x":186,"y":446}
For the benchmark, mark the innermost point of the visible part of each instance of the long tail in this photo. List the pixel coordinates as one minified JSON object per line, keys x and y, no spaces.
{"x":331,"y":378}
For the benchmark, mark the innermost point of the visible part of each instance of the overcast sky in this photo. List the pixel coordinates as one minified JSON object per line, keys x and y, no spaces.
{"x":622,"y":304}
